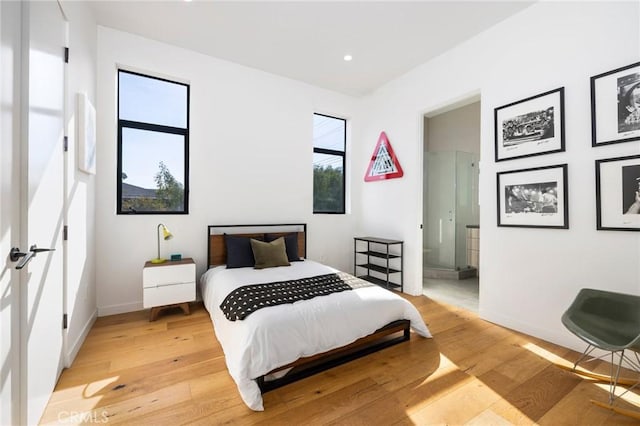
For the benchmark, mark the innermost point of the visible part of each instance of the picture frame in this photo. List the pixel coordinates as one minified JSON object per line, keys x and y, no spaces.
{"x":531,"y":126}
{"x":86,"y":134}
{"x":533,"y":198}
{"x":615,"y":106}
{"x":618,"y":193}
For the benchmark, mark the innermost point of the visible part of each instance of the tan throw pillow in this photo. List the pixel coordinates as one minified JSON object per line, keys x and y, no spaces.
{"x":269,"y":255}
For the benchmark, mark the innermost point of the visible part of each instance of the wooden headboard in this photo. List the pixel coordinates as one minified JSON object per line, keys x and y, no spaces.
{"x":217,"y":250}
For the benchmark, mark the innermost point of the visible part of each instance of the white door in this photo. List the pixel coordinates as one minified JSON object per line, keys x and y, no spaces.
{"x":42,"y":204}
{"x":10,"y":84}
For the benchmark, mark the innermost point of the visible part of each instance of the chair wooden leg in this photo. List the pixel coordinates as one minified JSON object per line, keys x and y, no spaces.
{"x":596,"y":376}
{"x":629,"y":413}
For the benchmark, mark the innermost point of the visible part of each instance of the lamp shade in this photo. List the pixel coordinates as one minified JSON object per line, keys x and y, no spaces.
{"x":166,"y":235}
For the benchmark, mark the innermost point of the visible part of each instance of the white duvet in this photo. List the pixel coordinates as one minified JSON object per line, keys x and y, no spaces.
{"x":275,"y":336}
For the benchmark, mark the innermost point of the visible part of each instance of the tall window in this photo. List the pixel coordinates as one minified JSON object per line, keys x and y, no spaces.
{"x":153,"y":145}
{"x":329,"y":140}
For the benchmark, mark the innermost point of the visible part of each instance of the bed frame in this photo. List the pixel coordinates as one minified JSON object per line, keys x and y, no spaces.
{"x":391,"y":334}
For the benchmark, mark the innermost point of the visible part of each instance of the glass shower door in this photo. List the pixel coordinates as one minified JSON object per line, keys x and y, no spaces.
{"x":439,"y":231}
{"x":467,"y":208}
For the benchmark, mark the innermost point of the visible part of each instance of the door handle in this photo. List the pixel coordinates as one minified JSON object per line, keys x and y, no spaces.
{"x":35,"y":249}
{"x":16,"y":255}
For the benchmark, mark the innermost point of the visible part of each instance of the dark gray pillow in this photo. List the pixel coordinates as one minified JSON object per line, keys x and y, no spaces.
{"x":239,"y":252}
{"x":290,"y":242}
{"x":269,"y":255}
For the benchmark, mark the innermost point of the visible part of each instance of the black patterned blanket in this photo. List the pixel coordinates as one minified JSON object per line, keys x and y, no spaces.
{"x":249,"y":298}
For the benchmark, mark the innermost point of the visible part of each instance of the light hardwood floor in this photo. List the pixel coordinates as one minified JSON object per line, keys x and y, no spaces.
{"x":172,"y":371}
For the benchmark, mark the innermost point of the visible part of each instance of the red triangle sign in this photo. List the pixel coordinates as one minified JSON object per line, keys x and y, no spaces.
{"x":383,"y":164}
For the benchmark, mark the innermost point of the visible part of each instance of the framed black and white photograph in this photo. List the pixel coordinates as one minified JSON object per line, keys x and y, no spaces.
{"x":533,"y":198}
{"x":618,"y":193}
{"x":615,"y":106}
{"x":532,"y":126}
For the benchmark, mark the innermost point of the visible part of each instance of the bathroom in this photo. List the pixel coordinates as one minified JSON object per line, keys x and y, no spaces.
{"x":451,"y":218}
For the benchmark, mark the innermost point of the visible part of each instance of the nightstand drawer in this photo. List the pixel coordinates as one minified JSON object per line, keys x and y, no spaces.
{"x":169,"y":294}
{"x":160,"y":276}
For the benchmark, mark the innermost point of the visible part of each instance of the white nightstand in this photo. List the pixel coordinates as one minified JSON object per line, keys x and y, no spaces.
{"x":168,"y":284}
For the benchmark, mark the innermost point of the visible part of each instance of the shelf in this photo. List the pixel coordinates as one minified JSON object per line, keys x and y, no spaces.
{"x":378,"y":281}
{"x":378,"y":268}
{"x":379,"y":248}
{"x":378,"y":240}
{"x":379,"y":254}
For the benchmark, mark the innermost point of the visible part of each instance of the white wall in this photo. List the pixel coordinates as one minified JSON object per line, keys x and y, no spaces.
{"x":455,"y":130}
{"x":250,"y":162}
{"x":79,"y":186}
{"x":529,"y":276}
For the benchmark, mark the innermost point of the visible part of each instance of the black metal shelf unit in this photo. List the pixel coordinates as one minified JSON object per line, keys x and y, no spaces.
{"x":379,"y":248}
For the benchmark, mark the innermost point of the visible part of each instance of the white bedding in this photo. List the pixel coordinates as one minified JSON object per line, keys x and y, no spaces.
{"x":277,"y":335}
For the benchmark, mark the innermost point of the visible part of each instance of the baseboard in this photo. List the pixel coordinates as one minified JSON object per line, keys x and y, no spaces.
{"x":75,"y":348}
{"x":119,"y":309}
{"x":560,"y":337}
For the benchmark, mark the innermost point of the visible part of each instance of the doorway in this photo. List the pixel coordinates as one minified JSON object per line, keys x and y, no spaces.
{"x":451,"y":213}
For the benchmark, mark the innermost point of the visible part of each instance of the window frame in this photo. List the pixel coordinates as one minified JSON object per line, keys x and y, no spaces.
{"x":139,"y":125}
{"x":342,"y":154}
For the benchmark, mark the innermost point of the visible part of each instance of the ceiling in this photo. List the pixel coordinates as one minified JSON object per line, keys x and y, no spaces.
{"x":306,"y":40}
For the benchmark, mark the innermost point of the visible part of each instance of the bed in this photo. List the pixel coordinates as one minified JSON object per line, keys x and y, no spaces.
{"x":273,"y":346}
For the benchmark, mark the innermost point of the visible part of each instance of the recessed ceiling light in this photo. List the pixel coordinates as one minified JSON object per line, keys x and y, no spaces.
{"x":348,"y":58}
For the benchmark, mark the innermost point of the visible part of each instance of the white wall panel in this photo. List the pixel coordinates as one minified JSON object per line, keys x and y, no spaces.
{"x":80,"y":272}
